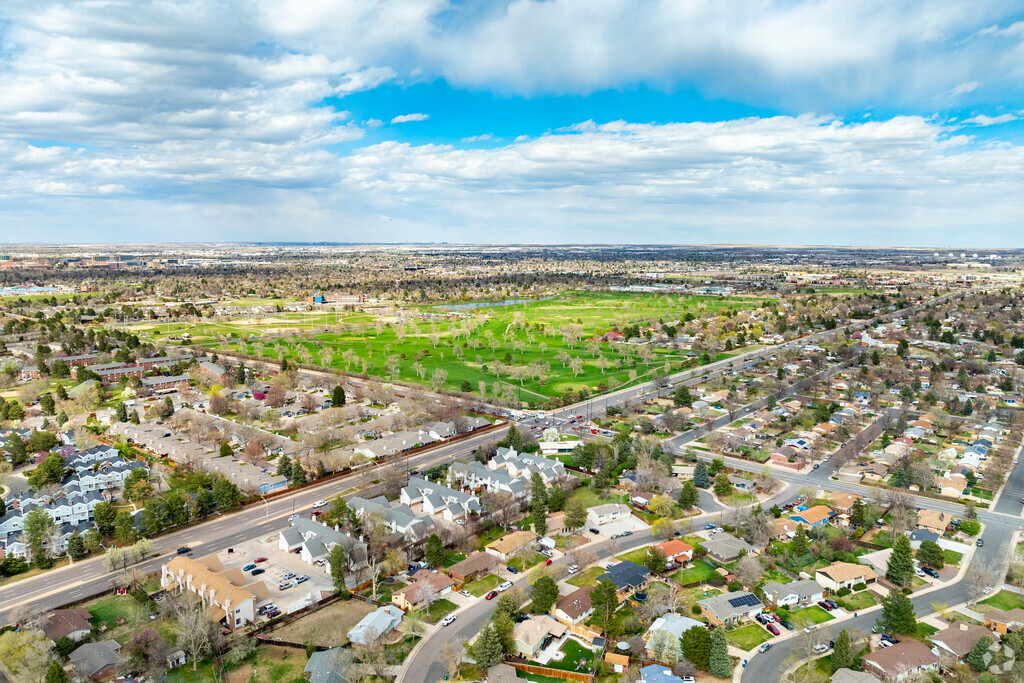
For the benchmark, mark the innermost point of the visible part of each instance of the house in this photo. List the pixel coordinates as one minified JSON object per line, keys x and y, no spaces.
{"x":71,"y":623}
{"x":676,"y":551}
{"x":642,"y":499}
{"x":532,"y":636}
{"x":953,"y":486}
{"x":329,"y":666}
{"x":933,"y":521}
{"x":97,"y":661}
{"x":478,"y":564}
{"x":782,"y":529}
{"x":376,"y":625}
{"x":727,"y":609}
{"x":425,"y":586}
{"x":725,"y":548}
{"x":844,"y":575}
{"x":616,"y":662}
{"x":165,"y":385}
{"x":959,"y":638}
{"x":851,"y":676}
{"x":227,"y":594}
{"x":524,"y":465}
{"x":905,"y":659}
{"x":607,"y":513}
{"x":842,"y":501}
{"x":627,"y":576}
{"x":508,"y":545}
{"x":473,"y":476}
{"x":216,"y":374}
{"x":399,"y":519}
{"x":438,"y":499}
{"x":503,"y":673}
{"x":574,"y":607}
{"x":813,"y":517}
{"x":803,"y":592}
{"x":675,"y":624}
{"x":656,"y":673}
{"x":1004,"y":622}
{"x":742,"y":484}
{"x":918,"y":536}
{"x":315,"y":540}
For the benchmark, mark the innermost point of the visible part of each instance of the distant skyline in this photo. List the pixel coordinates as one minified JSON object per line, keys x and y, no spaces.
{"x":567,"y":121}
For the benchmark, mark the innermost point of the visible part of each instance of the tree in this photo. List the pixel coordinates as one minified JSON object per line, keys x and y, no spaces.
{"x":696,"y":646}
{"x":451,"y":657}
{"x":284,"y":466}
{"x":931,"y":554}
{"x":655,"y":560}
{"x":121,"y":412}
{"x":749,"y":570}
{"x":76,"y":546}
{"x":575,"y":514}
{"x":898,"y":614}
{"x":55,"y":673}
{"x":37,"y":527}
{"x":124,"y":528}
{"x":900,"y":569}
{"x":664,"y":646}
{"x":196,"y":631}
{"x":799,"y":547}
{"x":663,"y":528}
{"x":688,"y":496}
{"x":298,"y":473}
{"x":47,"y":404}
{"x":435,"y":553}
{"x":701,"y":477}
{"x":545,"y":594}
{"x":26,"y":654}
{"x":556,"y":498}
{"x":226,"y":494}
{"x":50,"y":471}
{"x":719,"y":662}
{"x":225,"y":449}
{"x":488,"y":650}
{"x":16,"y":450}
{"x":723,"y":487}
{"x":507,"y":603}
{"x":338,"y":396}
{"x":661,"y":505}
{"x":605,"y":601}
{"x":40,"y":441}
{"x":842,"y":654}
{"x":503,"y":626}
{"x":538,"y":504}
{"x":338,"y":559}
{"x":979,"y":656}
{"x":682,"y":396}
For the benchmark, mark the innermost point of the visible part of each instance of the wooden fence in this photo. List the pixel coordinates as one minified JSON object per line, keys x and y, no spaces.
{"x":552,"y":673}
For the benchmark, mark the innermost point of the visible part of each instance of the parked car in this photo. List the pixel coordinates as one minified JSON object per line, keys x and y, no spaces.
{"x":709,"y":526}
{"x":573,"y":569}
{"x":258,"y":571}
{"x":832,"y":603}
{"x":450,"y":619}
{"x":595,"y":532}
{"x":889,"y":639}
{"x":512,"y":570}
{"x":301,"y":578}
{"x":184,"y":550}
{"x":764,"y":647}
{"x":520,"y":618}
{"x":930,"y":572}
{"x":884,"y":644}
{"x":284,"y":586}
{"x":248,"y":567}
{"x":980,"y":542}
{"x":626,"y":533}
{"x":547,"y":561}
{"x":273,"y":613}
{"x":824,"y":605}
{"x":491,"y":595}
{"x":266,"y":608}
{"x":772,"y":628}
{"x":465,"y":593}
{"x":260,"y":559}
{"x":918,"y":571}
{"x":820,"y":648}
{"x":504,"y":586}
{"x":546,"y":553}
{"x":287,"y":576}
{"x":788,"y":625}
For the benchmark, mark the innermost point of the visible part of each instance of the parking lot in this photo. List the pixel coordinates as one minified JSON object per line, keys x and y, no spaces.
{"x":277,"y":565}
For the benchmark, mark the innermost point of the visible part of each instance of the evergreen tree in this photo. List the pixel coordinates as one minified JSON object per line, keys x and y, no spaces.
{"x":842,"y":654}
{"x":124,"y":528}
{"x":62,"y":419}
{"x":76,"y":546}
{"x":857,"y":513}
{"x":696,"y":645}
{"x":688,"y":495}
{"x":435,"y":553}
{"x":931,"y":554}
{"x":799,"y":547}
{"x":55,"y":673}
{"x":723,"y":487}
{"x":488,"y":649}
{"x":122,"y":412}
{"x":338,"y":396}
{"x":204,"y":503}
{"x":225,"y":449}
{"x":900,"y":569}
{"x":682,"y":396}
{"x":226,"y":494}
{"x":104,"y":515}
{"x":337,"y":560}
{"x":701,"y":477}
{"x":134,"y":417}
{"x":978,"y":658}
{"x":298,"y":474}
{"x":605,"y":601}
{"x":898,"y":614}
{"x":503,"y":627}
{"x":655,"y":560}
{"x":284,"y":466}
{"x":544,"y":594}
{"x":717,"y":466}
{"x":556,"y":498}
{"x":46,"y":403}
{"x":538,"y":504}
{"x":513,"y":439}
{"x":575,"y":514}
{"x":62,"y":393}
{"x":719,"y":662}
{"x":507,"y":604}
{"x":168,"y":407}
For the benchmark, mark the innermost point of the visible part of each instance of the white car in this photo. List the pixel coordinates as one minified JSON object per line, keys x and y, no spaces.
{"x":505,"y":586}
{"x":573,"y":569}
{"x":319,"y":504}
{"x":309,"y":599}
{"x":918,"y":571}
{"x":820,"y":648}
{"x":448,"y":620}
{"x":547,"y":553}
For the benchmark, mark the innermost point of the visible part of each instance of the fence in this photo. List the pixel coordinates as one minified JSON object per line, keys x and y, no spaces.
{"x":552,"y":673}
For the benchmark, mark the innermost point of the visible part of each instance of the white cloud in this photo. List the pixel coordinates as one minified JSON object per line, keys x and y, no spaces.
{"x":479,"y":138}
{"x":983,"y":120}
{"x":373,"y":123}
{"x":406,"y":118}
{"x":965,"y":88}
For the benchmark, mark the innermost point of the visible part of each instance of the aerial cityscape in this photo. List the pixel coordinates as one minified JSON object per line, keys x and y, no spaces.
{"x":416,"y":341}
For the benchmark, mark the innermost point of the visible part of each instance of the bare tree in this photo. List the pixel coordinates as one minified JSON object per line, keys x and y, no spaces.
{"x":196,"y":632}
{"x":451,"y":656}
{"x":373,"y":654}
{"x":980,"y":575}
{"x":749,"y":570}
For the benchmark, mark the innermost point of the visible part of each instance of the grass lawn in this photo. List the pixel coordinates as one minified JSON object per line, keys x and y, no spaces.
{"x":857,"y":601}
{"x":952,"y":557}
{"x":748,"y":637}
{"x":637,"y":556}
{"x":926,"y":630}
{"x":589,"y":497}
{"x":328,"y":626}
{"x":777,"y":576}
{"x":700,"y":571}
{"x":960,"y":616}
{"x":810,"y":615}
{"x":524,"y":563}
{"x":109,"y":609}
{"x":453,"y":557}
{"x":481,"y":586}
{"x":587,"y":578}
{"x":436,"y":612}
{"x":883,"y":538}
{"x":573,"y":653}
{"x":738,"y":498}
{"x":1004,"y":600}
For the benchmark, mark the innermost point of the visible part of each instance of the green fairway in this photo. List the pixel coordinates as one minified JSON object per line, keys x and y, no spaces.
{"x":533,"y":351}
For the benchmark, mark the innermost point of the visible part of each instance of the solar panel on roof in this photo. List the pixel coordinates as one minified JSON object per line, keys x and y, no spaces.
{"x":743,"y":601}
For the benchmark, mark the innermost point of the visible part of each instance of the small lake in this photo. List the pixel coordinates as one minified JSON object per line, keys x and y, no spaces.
{"x":488,"y":304}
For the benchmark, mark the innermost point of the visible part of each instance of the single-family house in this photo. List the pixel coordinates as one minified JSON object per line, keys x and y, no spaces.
{"x":676,"y":551}
{"x":782,"y":529}
{"x":531,"y":636}
{"x":575,"y":607}
{"x":933,"y":520}
{"x":802,"y":592}
{"x":508,"y":545}
{"x":329,"y":666}
{"x":476,"y":565}
{"x":607,"y":513}
{"x":425,"y":587}
{"x":627,"y":576}
{"x":656,"y":673}
{"x":843,"y":501}
{"x":727,"y":609}
{"x":813,"y":517}
{"x":850,"y":676}
{"x":674,"y":624}
{"x":376,"y":624}
{"x":906,"y":659}
{"x":725,"y":548}
{"x":96,"y":661}
{"x":953,"y":486}
{"x":1003,"y":622}
{"x":959,"y":638}
{"x":844,"y":575}
{"x":70,"y":623}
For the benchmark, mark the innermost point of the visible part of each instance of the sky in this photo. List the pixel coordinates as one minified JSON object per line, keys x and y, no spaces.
{"x":888,"y":123}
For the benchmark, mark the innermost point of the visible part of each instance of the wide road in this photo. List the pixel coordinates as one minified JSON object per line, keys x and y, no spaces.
{"x":423,"y":664}
{"x":88,"y":577}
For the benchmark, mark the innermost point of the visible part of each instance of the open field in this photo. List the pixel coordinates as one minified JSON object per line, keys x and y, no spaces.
{"x":328,"y":626}
{"x":534,"y":350}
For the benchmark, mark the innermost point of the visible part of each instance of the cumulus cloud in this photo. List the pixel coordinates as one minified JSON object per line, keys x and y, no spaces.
{"x":406,"y":118}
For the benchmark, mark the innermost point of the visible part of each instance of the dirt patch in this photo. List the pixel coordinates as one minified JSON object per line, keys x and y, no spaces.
{"x":327,"y":627}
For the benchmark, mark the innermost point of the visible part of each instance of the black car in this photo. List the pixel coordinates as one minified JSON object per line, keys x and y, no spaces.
{"x":257,"y":571}
{"x":889,"y":639}
{"x":512,"y":570}
{"x":626,"y":533}
{"x":595,"y":531}
{"x":522,"y":617}
{"x":184,"y":550}
{"x":980,"y":543}
{"x":930,"y":572}
{"x":832,"y":603}
{"x":787,"y":624}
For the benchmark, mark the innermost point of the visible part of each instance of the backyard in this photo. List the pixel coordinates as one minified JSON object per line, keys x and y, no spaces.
{"x":328,"y":626}
{"x":574,"y":652}
{"x":700,"y":571}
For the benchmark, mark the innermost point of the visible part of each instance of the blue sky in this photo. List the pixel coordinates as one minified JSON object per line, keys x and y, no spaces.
{"x":668,"y":121}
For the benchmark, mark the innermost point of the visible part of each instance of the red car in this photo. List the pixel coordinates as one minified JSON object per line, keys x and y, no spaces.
{"x":547,"y":562}
{"x":824,"y":605}
{"x":773,"y":629}
{"x":491,"y":595}
{"x":260,"y":559}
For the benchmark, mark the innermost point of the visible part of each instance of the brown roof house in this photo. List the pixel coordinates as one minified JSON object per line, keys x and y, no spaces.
{"x":843,"y":501}
{"x":933,"y":520}
{"x":1003,"y":622}
{"x":476,"y":565}
{"x":510,"y":544}
{"x":782,"y":529}
{"x":959,"y":638}
{"x":844,"y":575}
{"x":72,"y":623}
{"x":574,"y":607}
{"x":903,"y":660}
{"x":425,"y":587}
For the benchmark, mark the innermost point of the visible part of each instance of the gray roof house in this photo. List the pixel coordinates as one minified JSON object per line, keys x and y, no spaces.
{"x":96,"y":659}
{"x":315,"y":541}
{"x":801,"y":592}
{"x":376,"y":624}
{"x":730,"y":608}
{"x":438,"y":499}
{"x":330,"y":666}
{"x":724,"y":548}
{"x":399,"y":518}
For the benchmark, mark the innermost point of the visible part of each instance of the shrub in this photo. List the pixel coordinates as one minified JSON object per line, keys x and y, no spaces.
{"x":844,"y":591}
{"x":860,"y":586}
{"x":695,"y":609}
